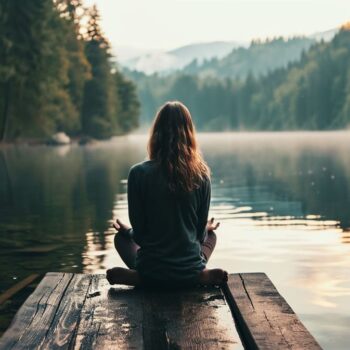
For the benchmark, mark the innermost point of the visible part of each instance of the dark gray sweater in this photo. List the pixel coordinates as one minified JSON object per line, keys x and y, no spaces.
{"x":168,"y":228}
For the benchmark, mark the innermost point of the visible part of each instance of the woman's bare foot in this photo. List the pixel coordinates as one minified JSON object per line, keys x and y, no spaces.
{"x":120,"y":275}
{"x":213,"y":276}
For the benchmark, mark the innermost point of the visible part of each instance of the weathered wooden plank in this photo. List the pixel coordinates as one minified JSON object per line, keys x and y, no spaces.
{"x":17,"y":287}
{"x":111,"y":318}
{"x":63,"y":326}
{"x":84,"y":312}
{"x":197,"y":318}
{"x":33,"y":320}
{"x":264,"y":318}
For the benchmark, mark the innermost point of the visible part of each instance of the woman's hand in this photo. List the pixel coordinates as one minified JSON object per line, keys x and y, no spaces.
{"x":120,"y":227}
{"x":211,"y":225}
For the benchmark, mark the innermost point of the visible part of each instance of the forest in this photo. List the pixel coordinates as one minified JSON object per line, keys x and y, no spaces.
{"x":259,"y":58}
{"x":309,"y":93}
{"x":56,"y":74}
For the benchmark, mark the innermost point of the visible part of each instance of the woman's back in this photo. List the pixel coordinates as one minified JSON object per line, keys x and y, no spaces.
{"x":169,"y":198}
{"x":167,"y":226}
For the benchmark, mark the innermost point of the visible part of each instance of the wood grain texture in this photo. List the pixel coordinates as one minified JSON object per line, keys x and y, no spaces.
{"x":110,"y":319}
{"x":264,"y":318}
{"x":192,"y":319}
{"x":67,"y":316}
{"x":33,"y":320}
{"x":79,"y":311}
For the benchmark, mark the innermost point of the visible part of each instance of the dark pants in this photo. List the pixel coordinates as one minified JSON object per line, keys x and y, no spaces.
{"x":127,"y":248}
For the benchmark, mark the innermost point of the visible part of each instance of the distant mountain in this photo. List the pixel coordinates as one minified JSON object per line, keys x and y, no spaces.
{"x":327,"y":35}
{"x":202,"y":51}
{"x":312,"y":92}
{"x":124,"y":53}
{"x":169,"y":61}
{"x":151,"y":61}
{"x":257,"y":59}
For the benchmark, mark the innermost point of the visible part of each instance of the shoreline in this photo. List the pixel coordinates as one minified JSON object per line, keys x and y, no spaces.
{"x":84,"y":140}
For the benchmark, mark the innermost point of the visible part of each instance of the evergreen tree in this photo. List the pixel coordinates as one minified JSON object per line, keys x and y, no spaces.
{"x":22,"y":31}
{"x":52,"y":78}
{"x":100,"y":105}
{"x":78,"y":68}
{"x":311,"y":93}
{"x":129,"y":105}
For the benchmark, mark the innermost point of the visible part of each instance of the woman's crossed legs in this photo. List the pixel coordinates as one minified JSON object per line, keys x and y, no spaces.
{"x":127,"y":249}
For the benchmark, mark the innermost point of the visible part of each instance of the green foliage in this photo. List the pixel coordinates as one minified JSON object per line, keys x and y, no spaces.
{"x":100,"y":100}
{"x":311,"y":93}
{"x":23,"y":36}
{"x":257,"y":59}
{"x":129,"y":105}
{"x":52,"y":78}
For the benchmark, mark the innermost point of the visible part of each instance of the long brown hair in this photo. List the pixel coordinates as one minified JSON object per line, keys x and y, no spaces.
{"x":173,"y":145}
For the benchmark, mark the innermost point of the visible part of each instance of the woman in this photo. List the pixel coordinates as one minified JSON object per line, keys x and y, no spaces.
{"x":170,"y":240}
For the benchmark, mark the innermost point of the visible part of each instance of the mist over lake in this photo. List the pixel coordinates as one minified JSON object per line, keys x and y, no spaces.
{"x":282,"y":200}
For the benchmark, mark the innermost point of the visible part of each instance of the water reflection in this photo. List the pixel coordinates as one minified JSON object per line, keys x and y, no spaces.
{"x":282,"y":199}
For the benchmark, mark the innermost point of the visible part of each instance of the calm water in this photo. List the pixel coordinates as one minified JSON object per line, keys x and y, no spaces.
{"x":283,"y":200}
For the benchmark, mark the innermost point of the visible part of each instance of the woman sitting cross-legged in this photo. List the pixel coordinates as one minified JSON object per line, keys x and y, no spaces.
{"x":171,"y":238}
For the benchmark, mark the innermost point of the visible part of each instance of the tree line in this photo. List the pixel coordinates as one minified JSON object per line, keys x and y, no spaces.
{"x":259,"y":58}
{"x":311,"y":93}
{"x":56,"y":73}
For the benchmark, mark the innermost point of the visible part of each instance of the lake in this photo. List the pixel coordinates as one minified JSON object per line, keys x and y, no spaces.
{"x":283,"y":200}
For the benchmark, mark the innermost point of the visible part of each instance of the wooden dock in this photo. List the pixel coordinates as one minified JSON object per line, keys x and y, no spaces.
{"x":81,"y":311}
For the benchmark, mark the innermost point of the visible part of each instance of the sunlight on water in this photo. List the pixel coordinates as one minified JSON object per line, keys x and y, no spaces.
{"x":300,"y":251}
{"x":282,"y":199}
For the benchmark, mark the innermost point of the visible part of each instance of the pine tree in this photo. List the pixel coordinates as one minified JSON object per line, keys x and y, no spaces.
{"x":129,"y":105}
{"x":78,"y":68}
{"x":100,"y":105}
{"x":22,"y":26}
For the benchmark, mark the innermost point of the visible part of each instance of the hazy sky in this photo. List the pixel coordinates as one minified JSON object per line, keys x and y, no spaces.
{"x":167,"y":24}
